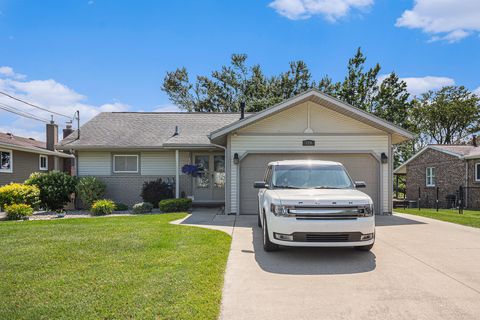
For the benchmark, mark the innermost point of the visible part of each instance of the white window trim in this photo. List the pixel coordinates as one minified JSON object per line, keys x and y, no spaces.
{"x":11,"y":162}
{"x":432,"y":176}
{"x":477,"y":170}
{"x":124,"y":155}
{"x":40,"y":162}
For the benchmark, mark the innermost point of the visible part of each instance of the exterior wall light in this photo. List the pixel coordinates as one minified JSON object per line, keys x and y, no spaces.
{"x":236,"y":159}
{"x":384,"y":158}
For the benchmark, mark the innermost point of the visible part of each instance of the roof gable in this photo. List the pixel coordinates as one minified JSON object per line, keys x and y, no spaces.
{"x":398,"y":134}
{"x":444,"y":149}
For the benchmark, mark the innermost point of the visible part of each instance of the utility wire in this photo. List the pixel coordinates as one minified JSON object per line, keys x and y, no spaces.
{"x":21,"y":113}
{"x":35,"y":106}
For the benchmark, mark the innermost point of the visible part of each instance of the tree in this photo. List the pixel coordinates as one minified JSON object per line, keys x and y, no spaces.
{"x":448,"y":115}
{"x":224,"y":89}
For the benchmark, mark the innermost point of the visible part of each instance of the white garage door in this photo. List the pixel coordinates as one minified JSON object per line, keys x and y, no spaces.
{"x":361,"y":167}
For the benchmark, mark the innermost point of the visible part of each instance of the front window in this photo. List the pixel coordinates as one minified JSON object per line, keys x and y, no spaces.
{"x":311,"y":177}
{"x":6,"y":161}
{"x":477,"y":172}
{"x":43,"y":162}
{"x":125,"y":163}
{"x":430,"y":174}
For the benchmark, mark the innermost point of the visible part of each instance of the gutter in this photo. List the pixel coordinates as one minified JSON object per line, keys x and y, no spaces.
{"x":37,"y":151}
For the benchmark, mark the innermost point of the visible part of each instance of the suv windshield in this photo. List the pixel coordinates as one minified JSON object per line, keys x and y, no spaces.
{"x":311,"y":177}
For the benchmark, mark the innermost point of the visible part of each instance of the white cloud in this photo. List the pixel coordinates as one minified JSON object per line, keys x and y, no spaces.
{"x":444,"y":20}
{"x":167,"y":108}
{"x":48,"y":94}
{"x":477,"y":91}
{"x":9,"y":73}
{"x":418,"y":85}
{"x":332,"y":10}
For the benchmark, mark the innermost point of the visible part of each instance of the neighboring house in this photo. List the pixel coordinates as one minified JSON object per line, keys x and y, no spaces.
{"x":447,"y":167}
{"x":22,"y":156}
{"x":125,"y":149}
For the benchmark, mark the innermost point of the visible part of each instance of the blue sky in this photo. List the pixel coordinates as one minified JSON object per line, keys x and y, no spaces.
{"x":112,"y":55}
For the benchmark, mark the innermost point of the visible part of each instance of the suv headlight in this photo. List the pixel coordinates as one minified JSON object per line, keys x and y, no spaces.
{"x":280,"y":210}
{"x":366,"y":211}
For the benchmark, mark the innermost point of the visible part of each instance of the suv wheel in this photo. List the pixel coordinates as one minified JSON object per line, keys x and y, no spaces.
{"x":365,"y":248}
{"x":267,"y":244}
{"x":259,"y":221}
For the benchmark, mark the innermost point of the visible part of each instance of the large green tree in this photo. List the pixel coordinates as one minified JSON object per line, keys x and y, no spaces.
{"x":224,"y":89}
{"x":447,"y":116}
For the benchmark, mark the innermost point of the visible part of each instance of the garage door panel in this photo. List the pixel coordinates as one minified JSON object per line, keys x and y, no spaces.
{"x":361,"y":167}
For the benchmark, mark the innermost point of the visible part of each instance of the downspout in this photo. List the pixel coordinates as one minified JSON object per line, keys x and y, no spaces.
{"x":177,"y":175}
{"x":466,"y":183}
{"x":225,"y":188}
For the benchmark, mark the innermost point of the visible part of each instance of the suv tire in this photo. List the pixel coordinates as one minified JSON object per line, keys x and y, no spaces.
{"x":267,"y":244}
{"x":365,"y":248}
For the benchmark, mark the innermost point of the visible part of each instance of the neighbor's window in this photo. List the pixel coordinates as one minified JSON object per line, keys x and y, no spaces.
{"x":6,"y":161}
{"x":477,"y":171}
{"x":430,"y":180}
{"x":43,"y":162}
{"x":125,"y":163}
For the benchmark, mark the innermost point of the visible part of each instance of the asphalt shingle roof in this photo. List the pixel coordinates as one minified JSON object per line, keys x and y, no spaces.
{"x":148,"y":129}
{"x":461,"y":150}
{"x":7,"y":138}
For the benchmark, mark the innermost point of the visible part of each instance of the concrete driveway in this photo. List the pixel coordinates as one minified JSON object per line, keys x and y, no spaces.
{"x":419,"y":269}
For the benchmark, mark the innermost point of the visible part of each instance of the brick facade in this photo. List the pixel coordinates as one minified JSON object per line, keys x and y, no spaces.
{"x":473,"y":190}
{"x":450,"y":174}
{"x":127,"y":188}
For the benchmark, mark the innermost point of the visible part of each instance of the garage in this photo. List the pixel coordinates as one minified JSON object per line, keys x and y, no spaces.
{"x":361,"y":167}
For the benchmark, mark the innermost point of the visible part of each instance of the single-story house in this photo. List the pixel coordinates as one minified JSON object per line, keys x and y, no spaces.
{"x":21,"y":156}
{"x":125,"y":149}
{"x":446,"y":167}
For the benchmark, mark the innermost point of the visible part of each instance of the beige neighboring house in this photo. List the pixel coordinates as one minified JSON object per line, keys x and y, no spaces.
{"x":125,"y":149}
{"x":22,"y":156}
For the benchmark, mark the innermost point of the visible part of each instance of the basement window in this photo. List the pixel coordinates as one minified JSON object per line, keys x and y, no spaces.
{"x":477,"y":172}
{"x":430,"y":177}
{"x":6,"y":161}
{"x":43,"y":162}
{"x":125,"y":163}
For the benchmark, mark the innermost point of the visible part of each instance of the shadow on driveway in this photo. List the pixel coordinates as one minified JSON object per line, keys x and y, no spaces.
{"x":311,"y":261}
{"x":393,"y":220}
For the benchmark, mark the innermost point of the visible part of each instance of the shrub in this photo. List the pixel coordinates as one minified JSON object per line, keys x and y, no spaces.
{"x":90,"y":189}
{"x":16,"y":193}
{"x":120,"y":206}
{"x":55,"y":188}
{"x":155,"y":191}
{"x":175,"y":205}
{"x":142,"y":207}
{"x":18,"y":211}
{"x":101,"y":207}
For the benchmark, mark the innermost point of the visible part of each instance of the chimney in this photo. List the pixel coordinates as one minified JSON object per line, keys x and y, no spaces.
{"x":68,"y":130}
{"x":52,"y":135}
{"x":242,"y":110}
{"x":474,"y":140}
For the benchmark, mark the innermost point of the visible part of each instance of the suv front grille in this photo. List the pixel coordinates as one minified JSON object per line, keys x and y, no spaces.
{"x":327,"y":212}
{"x":326,"y":236}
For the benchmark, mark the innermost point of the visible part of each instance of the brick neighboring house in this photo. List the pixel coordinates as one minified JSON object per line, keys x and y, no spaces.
{"x":22,"y":156}
{"x":447,"y":167}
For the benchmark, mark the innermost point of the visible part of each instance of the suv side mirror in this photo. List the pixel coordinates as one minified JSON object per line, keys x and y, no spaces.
{"x":360,"y":184}
{"x":260,"y":185}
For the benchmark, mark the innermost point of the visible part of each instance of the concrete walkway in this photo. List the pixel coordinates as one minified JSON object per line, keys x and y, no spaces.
{"x":419,"y":269}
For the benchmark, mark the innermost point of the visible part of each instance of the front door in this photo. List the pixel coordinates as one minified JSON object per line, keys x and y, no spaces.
{"x":210,"y":184}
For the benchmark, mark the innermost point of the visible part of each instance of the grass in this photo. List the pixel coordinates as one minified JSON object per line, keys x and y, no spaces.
{"x":469,"y":218}
{"x":110,"y":268}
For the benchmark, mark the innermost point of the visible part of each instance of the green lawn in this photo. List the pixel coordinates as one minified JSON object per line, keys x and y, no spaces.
{"x":468,"y":218}
{"x":110,"y":268}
